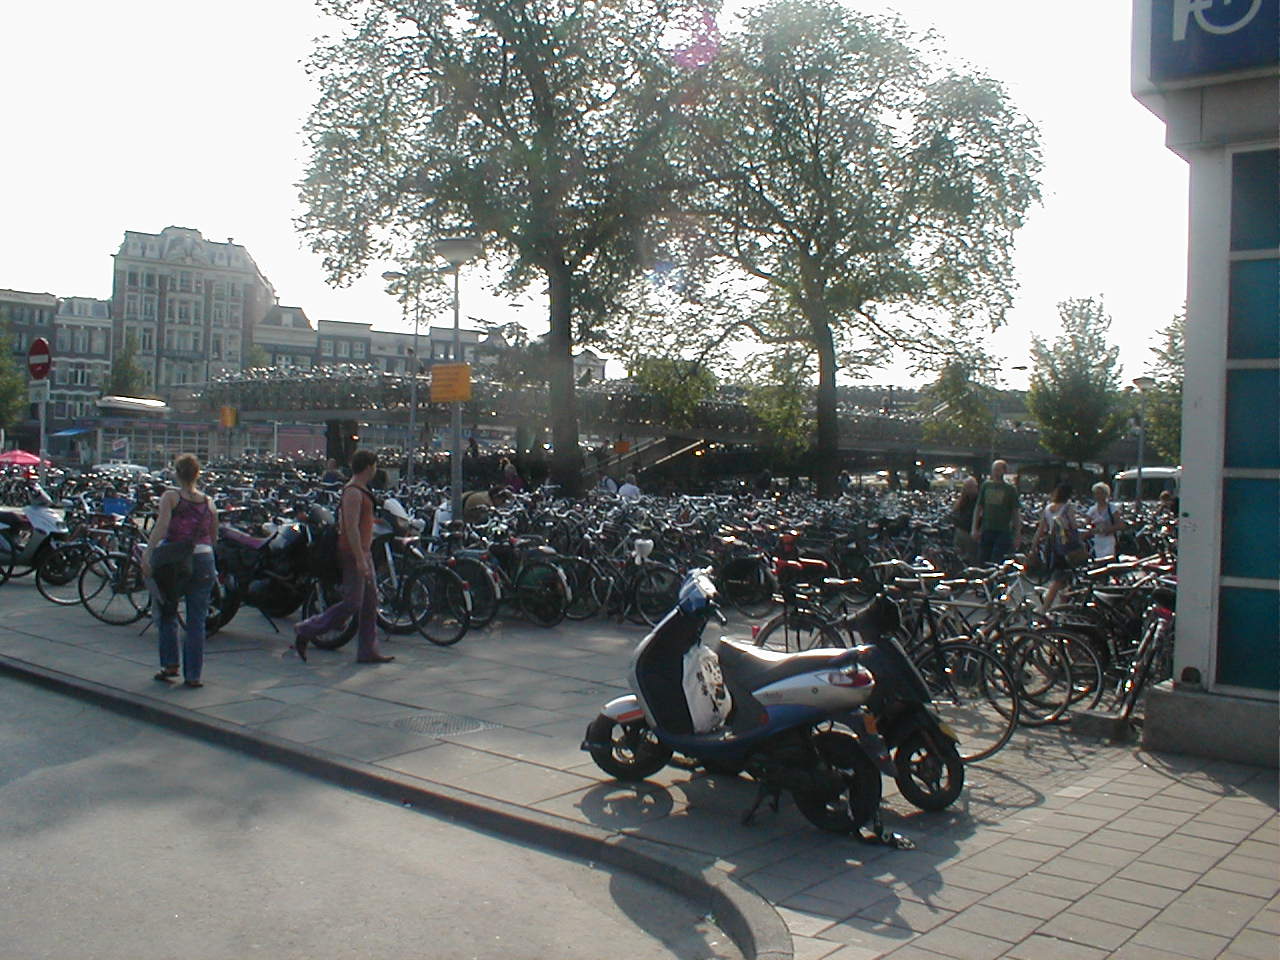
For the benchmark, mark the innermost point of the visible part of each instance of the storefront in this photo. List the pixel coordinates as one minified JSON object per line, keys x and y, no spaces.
{"x":1208,"y":69}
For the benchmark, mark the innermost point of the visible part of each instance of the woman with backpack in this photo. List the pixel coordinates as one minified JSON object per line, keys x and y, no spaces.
{"x":178,"y":564}
{"x":1058,"y":524}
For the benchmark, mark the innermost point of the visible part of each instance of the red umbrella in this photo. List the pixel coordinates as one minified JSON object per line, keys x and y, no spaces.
{"x":20,"y":458}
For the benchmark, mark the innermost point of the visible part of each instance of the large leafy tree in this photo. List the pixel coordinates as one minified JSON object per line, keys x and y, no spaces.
{"x":1164,"y":400}
{"x":1075,"y":396}
{"x":542,"y":125}
{"x":13,"y":384}
{"x":127,"y":379}
{"x":872,"y":192}
{"x":958,"y":406}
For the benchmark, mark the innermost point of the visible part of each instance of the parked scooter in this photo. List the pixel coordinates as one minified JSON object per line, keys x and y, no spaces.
{"x":778,"y":728}
{"x":29,"y":532}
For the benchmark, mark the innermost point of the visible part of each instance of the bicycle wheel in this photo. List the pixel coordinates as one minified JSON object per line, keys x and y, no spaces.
{"x":656,"y":590}
{"x":790,"y":632}
{"x":58,"y":573}
{"x":1135,"y":683}
{"x":542,"y":593}
{"x":484,"y":591}
{"x":580,"y":573}
{"x":321,"y":598}
{"x":975,"y":693}
{"x":747,"y":583}
{"x":112,"y":589}
{"x":441,"y":604}
{"x":395,"y":614}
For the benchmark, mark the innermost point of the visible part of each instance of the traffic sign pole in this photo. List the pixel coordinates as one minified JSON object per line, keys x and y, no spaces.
{"x":39,"y":362}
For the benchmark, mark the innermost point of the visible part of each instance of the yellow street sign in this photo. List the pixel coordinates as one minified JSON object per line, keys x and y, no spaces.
{"x":451,"y":383}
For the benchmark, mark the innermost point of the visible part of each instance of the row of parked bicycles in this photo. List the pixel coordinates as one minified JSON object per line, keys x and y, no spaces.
{"x":796,"y":571}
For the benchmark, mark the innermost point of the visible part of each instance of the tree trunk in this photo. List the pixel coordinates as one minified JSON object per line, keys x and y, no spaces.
{"x":566,"y":460}
{"x":827,"y":450}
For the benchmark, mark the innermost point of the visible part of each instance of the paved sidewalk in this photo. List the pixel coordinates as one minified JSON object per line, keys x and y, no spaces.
{"x":1058,"y":849}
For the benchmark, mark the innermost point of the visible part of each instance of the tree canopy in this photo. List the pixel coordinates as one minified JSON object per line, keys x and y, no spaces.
{"x":1075,"y":395}
{"x":541,"y":125}
{"x":13,"y":384}
{"x":958,"y":407}
{"x":128,"y":379}
{"x":1164,"y":400}
{"x":870,"y":192}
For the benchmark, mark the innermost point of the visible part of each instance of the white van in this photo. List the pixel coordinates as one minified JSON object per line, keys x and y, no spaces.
{"x":1155,"y":480}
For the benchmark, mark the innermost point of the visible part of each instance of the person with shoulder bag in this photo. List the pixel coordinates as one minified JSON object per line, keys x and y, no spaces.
{"x":1106,"y":521}
{"x":178,"y":564}
{"x":1066,"y":549}
{"x":355,"y":542}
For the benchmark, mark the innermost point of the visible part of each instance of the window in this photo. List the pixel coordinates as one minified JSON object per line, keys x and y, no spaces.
{"x":184,"y":281}
{"x":63,"y":340}
{"x":326,"y":348}
{"x":133,"y":278}
{"x":233,"y":289}
{"x":170,"y":339}
{"x":82,"y":340}
{"x":99,"y":342}
{"x":149,"y":280}
{"x":215,"y":346}
{"x":197,"y":311}
{"x":148,"y":308}
{"x":184,"y":311}
{"x":79,"y":375}
{"x":196,"y":341}
{"x":357,"y":350}
{"x":219,"y":289}
{"x":344,"y":348}
{"x":169,"y":309}
{"x":219,"y":314}
{"x":147,"y":342}
{"x":60,"y":373}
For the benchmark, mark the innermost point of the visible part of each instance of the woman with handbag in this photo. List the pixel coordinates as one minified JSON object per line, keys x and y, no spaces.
{"x":178,"y":563}
{"x":1066,"y":549}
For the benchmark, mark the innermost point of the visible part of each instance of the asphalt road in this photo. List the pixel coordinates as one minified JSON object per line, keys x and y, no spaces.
{"x":120,"y":840}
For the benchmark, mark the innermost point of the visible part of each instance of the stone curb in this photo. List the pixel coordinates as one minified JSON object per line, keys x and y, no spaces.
{"x":751,"y":921}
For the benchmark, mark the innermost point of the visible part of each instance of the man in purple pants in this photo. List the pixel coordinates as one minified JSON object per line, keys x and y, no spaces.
{"x":360,"y":594}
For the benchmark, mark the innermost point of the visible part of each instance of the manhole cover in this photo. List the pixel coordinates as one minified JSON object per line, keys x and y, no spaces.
{"x":440,"y":724}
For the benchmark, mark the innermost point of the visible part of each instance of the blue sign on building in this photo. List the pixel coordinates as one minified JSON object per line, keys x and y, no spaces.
{"x":1196,"y":38}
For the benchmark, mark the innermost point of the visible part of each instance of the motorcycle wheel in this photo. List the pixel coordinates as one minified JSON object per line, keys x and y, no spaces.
{"x":930,"y":772}
{"x":321,"y":598}
{"x":58,"y":573}
{"x":6,"y":557}
{"x":224,"y":602}
{"x":633,"y":752}
{"x":858,"y":798}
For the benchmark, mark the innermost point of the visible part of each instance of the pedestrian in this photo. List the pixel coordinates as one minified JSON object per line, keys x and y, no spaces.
{"x":996,"y":519}
{"x":359,"y":592}
{"x":606,"y":484}
{"x":1105,"y":520}
{"x":473,"y":447}
{"x":476,"y":504}
{"x":629,"y":490}
{"x":185,"y":521}
{"x":962,"y":519}
{"x":1059,"y":526}
{"x":331,"y":472}
{"x":510,"y":476}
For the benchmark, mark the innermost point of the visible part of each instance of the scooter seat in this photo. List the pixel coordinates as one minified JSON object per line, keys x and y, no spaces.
{"x":753,"y":667}
{"x":243,"y":539}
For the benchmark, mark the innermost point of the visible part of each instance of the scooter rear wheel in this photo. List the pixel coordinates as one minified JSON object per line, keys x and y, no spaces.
{"x":628,"y":751}
{"x":858,"y":798}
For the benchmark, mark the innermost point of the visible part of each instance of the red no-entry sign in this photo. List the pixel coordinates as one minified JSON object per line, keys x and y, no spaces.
{"x":38,"y":358}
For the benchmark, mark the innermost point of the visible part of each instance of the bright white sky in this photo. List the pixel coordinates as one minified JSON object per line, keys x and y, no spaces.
{"x":140,"y":114}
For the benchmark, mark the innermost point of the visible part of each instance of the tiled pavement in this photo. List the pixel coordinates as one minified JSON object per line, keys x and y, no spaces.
{"x":1058,"y":849}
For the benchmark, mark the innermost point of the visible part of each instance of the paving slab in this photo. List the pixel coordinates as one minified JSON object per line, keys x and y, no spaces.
{"x":1059,"y":848}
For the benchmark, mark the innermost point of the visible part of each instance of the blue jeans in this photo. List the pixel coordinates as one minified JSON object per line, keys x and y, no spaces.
{"x":197,"y":596}
{"x":994,"y":546}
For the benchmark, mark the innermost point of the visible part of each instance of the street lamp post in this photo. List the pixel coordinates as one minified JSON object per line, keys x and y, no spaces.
{"x":1143,"y":384}
{"x":392,"y":276}
{"x":457,"y":251}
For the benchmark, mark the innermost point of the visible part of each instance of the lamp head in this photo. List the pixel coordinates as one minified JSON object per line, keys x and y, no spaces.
{"x":1144,"y":383}
{"x":457,"y":250}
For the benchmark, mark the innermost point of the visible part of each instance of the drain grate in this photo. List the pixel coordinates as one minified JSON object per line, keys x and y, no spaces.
{"x":435,"y":724}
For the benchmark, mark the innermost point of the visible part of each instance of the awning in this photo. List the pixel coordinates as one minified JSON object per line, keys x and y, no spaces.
{"x":73,"y":432}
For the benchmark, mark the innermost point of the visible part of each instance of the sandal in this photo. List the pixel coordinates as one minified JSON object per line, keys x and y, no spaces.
{"x":167,"y":675}
{"x":192,"y":683}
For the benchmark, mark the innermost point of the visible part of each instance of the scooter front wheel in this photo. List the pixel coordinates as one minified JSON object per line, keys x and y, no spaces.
{"x":844,"y":805}
{"x":930,"y":772}
{"x":628,"y":751}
